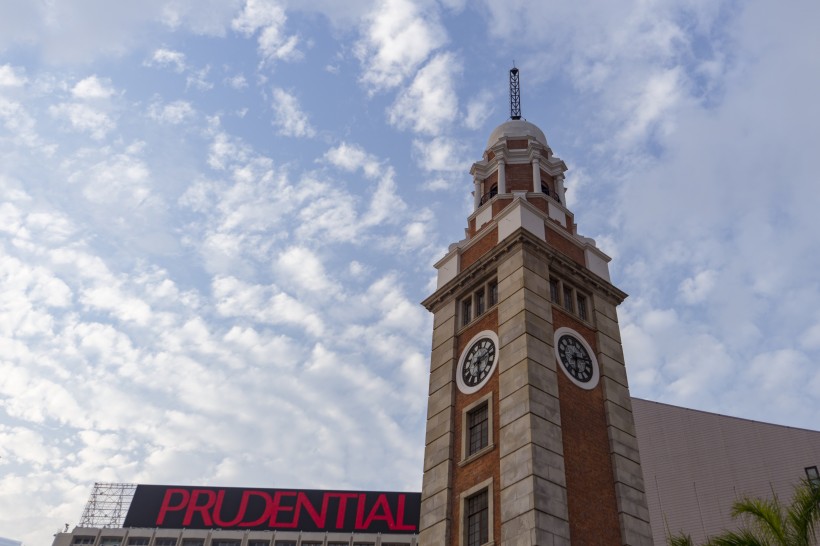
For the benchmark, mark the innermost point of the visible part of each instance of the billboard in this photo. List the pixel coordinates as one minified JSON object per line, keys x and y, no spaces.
{"x":309,"y":510}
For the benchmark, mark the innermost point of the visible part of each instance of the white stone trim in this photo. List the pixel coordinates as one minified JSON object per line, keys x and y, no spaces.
{"x":488,"y":399}
{"x":462,"y":498}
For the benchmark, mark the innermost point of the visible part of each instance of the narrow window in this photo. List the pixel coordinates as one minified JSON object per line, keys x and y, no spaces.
{"x":554,"y":291}
{"x":479,"y":303}
{"x":477,"y":429}
{"x":813,"y":475}
{"x":466,"y":311}
{"x":582,"y":307}
{"x":493,"y":290}
{"x":477,"y":519}
{"x":545,"y":189}
{"x":567,"y":298}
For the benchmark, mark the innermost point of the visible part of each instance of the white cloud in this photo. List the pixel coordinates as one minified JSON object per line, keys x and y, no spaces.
{"x":479,"y":108}
{"x":398,"y":36}
{"x":237,"y":82}
{"x":172,"y":113}
{"x":84,"y":118}
{"x":696,"y":289}
{"x":168,"y":58}
{"x":198,"y":79}
{"x":268,"y":17}
{"x":119,"y":179}
{"x":304,"y":268}
{"x":442,"y":154}
{"x":430,"y":103}
{"x":288,"y":115}
{"x":11,"y":76}
{"x":352,"y":157}
{"x":92,"y":87}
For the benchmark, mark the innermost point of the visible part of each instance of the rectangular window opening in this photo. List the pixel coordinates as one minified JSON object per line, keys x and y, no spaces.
{"x":479,"y":303}
{"x":466,"y":311}
{"x":582,"y":307}
{"x":493,"y":290}
{"x":478,"y":429}
{"x":165,"y":541}
{"x":138,"y":541}
{"x":477,"y":519}
{"x":554,"y":292}
{"x":568,"y":298}
{"x":813,"y":476}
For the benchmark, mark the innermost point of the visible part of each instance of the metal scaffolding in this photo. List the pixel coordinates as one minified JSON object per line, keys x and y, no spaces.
{"x":107,"y":505}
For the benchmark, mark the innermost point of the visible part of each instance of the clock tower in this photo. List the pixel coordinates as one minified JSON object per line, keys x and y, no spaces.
{"x":530,"y":437}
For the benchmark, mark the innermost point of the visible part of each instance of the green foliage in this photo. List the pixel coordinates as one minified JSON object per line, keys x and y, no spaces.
{"x":770,"y":523}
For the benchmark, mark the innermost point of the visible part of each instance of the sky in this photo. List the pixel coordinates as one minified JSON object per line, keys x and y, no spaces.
{"x":218,"y":218}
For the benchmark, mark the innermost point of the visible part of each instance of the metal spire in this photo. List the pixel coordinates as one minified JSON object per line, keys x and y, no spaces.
{"x":515,"y":94}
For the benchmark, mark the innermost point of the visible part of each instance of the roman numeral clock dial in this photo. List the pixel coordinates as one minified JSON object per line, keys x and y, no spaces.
{"x":577,"y":358}
{"x":477,"y":362}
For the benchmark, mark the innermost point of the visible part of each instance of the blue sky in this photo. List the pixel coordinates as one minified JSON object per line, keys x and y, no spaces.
{"x":217,"y":219}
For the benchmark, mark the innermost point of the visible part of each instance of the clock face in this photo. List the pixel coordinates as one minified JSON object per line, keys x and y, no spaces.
{"x":477,"y":362}
{"x":576,"y":357}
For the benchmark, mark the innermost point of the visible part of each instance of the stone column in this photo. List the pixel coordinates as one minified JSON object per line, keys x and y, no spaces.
{"x":559,"y":189}
{"x":476,"y":193}
{"x":502,"y":183}
{"x":536,"y":175}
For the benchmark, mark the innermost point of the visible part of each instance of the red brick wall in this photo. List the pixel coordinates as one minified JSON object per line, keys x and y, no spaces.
{"x":562,"y":245}
{"x":516,"y":144}
{"x":488,"y":465}
{"x":487,"y":241}
{"x":593,"y":512}
{"x":518,"y":177}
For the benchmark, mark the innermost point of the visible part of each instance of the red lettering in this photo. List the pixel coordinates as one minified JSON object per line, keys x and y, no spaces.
{"x":340,"y":514}
{"x":360,"y":512}
{"x":277,"y":507}
{"x":202,"y":509}
{"x":386,"y":515}
{"x":166,"y":503}
{"x":400,"y":525}
{"x":268,"y":503}
{"x":240,"y":513}
{"x":303,"y":501}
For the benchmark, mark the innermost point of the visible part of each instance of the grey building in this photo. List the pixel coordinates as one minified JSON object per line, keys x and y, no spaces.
{"x":696,"y":464}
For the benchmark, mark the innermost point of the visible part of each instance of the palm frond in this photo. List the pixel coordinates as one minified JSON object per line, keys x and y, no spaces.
{"x":679,"y":540}
{"x":803,"y":514}
{"x":766,"y":516}
{"x":744,"y":537}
